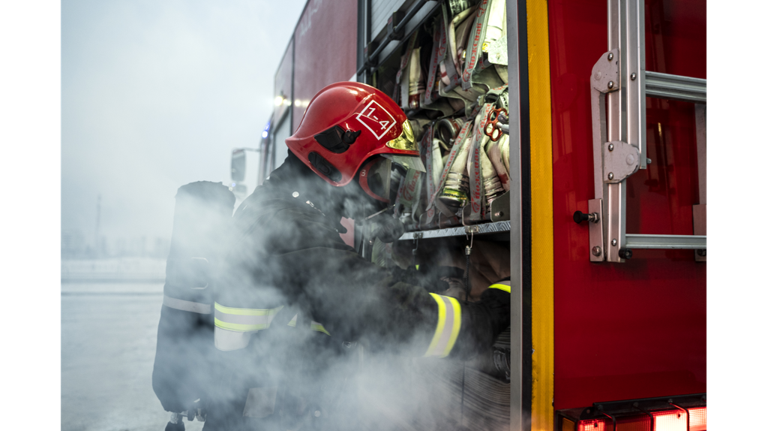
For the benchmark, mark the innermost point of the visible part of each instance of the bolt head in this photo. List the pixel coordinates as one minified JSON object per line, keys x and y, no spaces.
{"x":610,"y":56}
{"x":610,"y":175}
{"x":596,"y":251}
{"x":295,"y":194}
{"x":647,"y":161}
{"x":633,"y":76}
{"x":614,"y":242}
{"x":610,"y":147}
{"x":610,"y":84}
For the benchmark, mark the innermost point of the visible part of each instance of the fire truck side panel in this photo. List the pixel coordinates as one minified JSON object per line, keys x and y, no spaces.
{"x":283,"y":85}
{"x":326,"y":47}
{"x":635,"y":329}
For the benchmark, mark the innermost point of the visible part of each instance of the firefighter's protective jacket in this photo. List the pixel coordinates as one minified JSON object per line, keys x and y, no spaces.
{"x":291,"y":293}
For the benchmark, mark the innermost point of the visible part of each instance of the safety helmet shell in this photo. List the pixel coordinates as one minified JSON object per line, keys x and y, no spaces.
{"x":347,"y":123}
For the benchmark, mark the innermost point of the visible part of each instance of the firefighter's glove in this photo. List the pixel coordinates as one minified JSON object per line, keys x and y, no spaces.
{"x":485,"y":320}
{"x":386,"y":228}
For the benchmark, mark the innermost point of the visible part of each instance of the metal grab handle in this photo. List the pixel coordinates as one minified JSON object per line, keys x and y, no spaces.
{"x":493,"y":123}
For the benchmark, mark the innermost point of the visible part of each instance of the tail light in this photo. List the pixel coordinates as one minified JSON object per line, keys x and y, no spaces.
{"x":640,"y":415}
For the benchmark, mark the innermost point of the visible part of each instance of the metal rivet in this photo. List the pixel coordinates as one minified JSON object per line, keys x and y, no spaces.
{"x":610,"y":84}
{"x":317,"y":413}
{"x":610,"y":56}
{"x":648,"y":161}
{"x":633,"y":76}
{"x":614,"y":242}
{"x":596,"y":251}
{"x":610,"y":175}
{"x":610,"y":147}
{"x":295,"y":194}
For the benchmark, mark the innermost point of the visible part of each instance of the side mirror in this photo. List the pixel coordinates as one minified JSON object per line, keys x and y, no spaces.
{"x":238,"y":165}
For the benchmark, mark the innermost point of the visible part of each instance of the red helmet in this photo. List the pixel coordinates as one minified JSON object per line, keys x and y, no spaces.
{"x":347,"y":123}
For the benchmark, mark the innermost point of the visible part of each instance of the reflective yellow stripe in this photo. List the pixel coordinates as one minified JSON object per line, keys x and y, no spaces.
{"x":239,"y":326}
{"x":448,"y":326}
{"x":456,"y":325}
{"x":319,"y":328}
{"x":292,"y":323}
{"x":503,"y":287}
{"x":440,"y":324}
{"x":247,"y":311}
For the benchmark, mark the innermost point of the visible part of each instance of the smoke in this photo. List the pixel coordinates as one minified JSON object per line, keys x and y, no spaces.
{"x":364,"y":369}
{"x":155,"y":95}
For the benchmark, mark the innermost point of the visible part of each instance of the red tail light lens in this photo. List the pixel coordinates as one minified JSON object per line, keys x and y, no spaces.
{"x":674,"y":420}
{"x":592,"y":425}
{"x":698,"y":419}
{"x":666,"y":420}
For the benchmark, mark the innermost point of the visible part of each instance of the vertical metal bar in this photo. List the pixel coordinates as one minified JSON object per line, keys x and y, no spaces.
{"x":701,"y":150}
{"x":516,"y":221}
{"x":617,"y":99}
{"x":615,"y":225}
{"x":598,"y":138}
{"x":633,"y":75}
{"x":614,"y":197}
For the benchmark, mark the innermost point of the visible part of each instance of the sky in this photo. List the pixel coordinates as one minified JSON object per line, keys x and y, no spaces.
{"x":155,"y":95}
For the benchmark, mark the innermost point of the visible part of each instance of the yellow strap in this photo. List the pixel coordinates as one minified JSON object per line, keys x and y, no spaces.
{"x":248,"y":311}
{"x":503,"y":287}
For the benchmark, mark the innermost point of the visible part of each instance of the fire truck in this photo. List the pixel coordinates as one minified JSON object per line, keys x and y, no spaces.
{"x":593,"y":116}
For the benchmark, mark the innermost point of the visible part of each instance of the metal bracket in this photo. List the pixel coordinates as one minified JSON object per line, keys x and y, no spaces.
{"x":596,"y":247}
{"x":472,"y":229}
{"x":606,"y":75}
{"x":620,"y":160}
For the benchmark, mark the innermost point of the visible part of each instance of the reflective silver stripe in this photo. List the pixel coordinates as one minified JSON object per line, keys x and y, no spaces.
{"x":265,"y":320}
{"x":180,"y":304}
{"x":226,"y":340}
{"x":448,"y":326}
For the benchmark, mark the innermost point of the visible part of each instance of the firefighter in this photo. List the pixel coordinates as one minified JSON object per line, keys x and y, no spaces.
{"x":292,"y":296}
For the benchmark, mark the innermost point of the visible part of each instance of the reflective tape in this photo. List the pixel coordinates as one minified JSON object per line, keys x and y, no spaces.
{"x":448,"y":326}
{"x":180,"y":304}
{"x":316,"y":326}
{"x":502,"y":285}
{"x":243,"y":319}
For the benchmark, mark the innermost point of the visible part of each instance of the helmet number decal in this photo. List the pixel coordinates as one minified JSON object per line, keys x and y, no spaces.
{"x":376,"y":119}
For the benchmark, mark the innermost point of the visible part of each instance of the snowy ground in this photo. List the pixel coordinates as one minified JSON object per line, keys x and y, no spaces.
{"x":108,"y":336}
